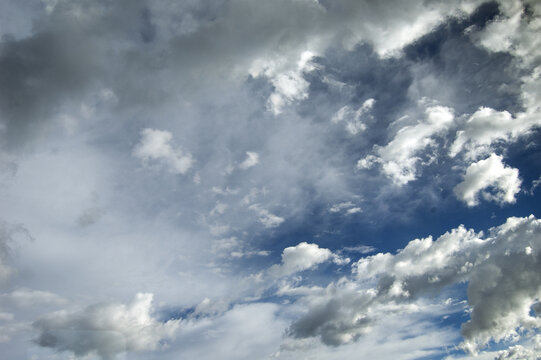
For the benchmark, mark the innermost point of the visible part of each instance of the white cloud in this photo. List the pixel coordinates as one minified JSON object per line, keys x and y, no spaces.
{"x":514,"y":31}
{"x":487,"y":126}
{"x":354,"y":210}
{"x":287,"y":79}
{"x":155,"y":146}
{"x":400,"y":157}
{"x":304,"y":256}
{"x":502,"y":276}
{"x":354,"y":118}
{"x":266,"y":218}
{"x":362,"y":249}
{"x":341,"y":206}
{"x":9,"y":235}
{"x":347,"y":207}
{"x":106,"y":329}
{"x":530,"y":349}
{"x":490,"y":178}
{"x":252,"y":159}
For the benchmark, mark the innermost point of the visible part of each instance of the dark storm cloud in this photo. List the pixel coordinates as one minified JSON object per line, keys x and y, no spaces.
{"x":36,"y":74}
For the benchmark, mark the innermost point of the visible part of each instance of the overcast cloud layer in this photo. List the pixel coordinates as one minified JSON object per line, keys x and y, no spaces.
{"x":291,"y":179}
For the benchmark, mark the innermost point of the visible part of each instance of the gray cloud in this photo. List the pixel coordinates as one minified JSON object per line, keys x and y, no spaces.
{"x":105,"y":329}
{"x":501,"y":271}
{"x":245,"y":95}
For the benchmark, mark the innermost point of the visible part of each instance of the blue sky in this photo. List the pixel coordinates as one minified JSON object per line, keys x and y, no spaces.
{"x":290,"y":179}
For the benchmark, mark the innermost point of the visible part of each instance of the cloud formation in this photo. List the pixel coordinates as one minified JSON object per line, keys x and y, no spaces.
{"x":228,"y":156}
{"x":500,"y":271}
{"x":400,"y":157}
{"x":156,"y":146}
{"x":106,"y":329}
{"x":491,"y":179}
{"x":304,"y":256}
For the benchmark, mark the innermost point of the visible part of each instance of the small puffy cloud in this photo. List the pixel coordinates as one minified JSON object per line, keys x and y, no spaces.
{"x":399,"y":158}
{"x":106,"y":329}
{"x":353,"y":210}
{"x":218,"y":209}
{"x":266,"y":218}
{"x":155,"y":146}
{"x":252,"y":159}
{"x":287,"y":79}
{"x":341,"y":206}
{"x":232,"y":247}
{"x":485,"y":175}
{"x":353,"y":118}
{"x":304,"y":256}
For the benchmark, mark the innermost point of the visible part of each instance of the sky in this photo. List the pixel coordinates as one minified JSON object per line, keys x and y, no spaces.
{"x":289,"y":179}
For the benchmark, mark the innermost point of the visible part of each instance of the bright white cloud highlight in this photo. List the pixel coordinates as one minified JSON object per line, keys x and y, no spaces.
{"x":106,"y":329}
{"x":252,"y":159}
{"x":354,"y":118}
{"x":400,"y":157}
{"x":491,"y":179}
{"x":486,"y":127}
{"x":304,"y":256}
{"x":156,"y":147}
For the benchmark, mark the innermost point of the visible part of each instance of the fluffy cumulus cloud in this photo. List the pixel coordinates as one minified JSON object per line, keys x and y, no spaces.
{"x":260,"y":167}
{"x":400,"y":157}
{"x":156,"y":146}
{"x":500,"y":269}
{"x":105,"y":329}
{"x":304,"y":256}
{"x":491,"y":179}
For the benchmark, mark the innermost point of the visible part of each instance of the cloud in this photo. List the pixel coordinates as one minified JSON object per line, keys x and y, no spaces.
{"x":526,"y":351}
{"x":513,"y":31}
{"x":399,"y":158}
{"x":236,"y":334}
{"x":487,"y":126}
{"x":266,"y":218}
{"x":106,"y":329}
{"x":501,"y":271}
{"x":489,"y":174}
{"x":9,"y":235}
{"x":304,"y":256}
{"x":289,"y":85}
{"x":346,"y":207}
{"x":155,"y":146}
{"x":252,"y":159}
{"x":29,"y":298}
{"x":353,"y":118}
